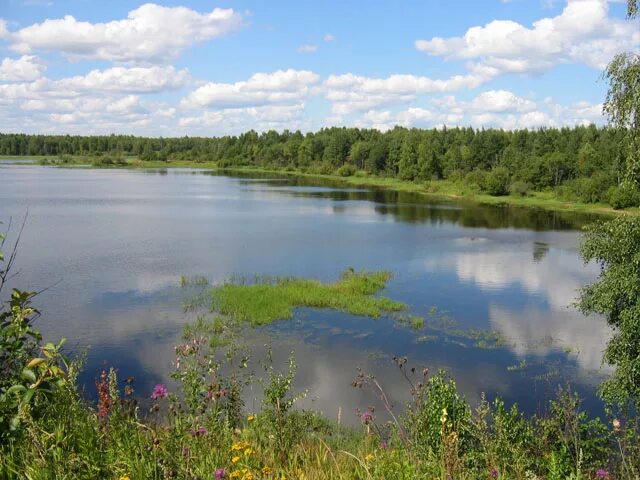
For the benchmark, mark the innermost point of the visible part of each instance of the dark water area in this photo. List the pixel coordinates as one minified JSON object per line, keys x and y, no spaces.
{"x":115,"y":243}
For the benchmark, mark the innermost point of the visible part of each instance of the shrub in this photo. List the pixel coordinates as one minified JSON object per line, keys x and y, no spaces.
{"x":520,"y":188}
{"x":476,"y":179}
{"x":347,"y":170}
{"x":497,"y":182}
{"x":624,"y":196}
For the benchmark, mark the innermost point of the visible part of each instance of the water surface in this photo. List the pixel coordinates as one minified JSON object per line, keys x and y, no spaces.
{"x":114,"y":244}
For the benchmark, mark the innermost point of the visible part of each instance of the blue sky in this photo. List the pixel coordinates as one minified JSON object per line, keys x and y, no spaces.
{"x":212,"y":68}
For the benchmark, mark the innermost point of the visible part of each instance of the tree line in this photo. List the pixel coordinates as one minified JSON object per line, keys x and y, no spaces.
{"x":583,"y":163}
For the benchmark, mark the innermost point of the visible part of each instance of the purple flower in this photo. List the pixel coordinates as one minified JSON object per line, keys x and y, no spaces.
{"x":366,"y":417}
{"x":384,"y":445}
{"x":220,"y":473}
{"x":602,"y":473}
{"x":198,"y":432}
{"x":159,"y":391}
{"x":494,"y":473}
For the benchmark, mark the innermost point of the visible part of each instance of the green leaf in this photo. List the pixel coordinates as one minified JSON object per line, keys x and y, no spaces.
{"x":29,"y":375}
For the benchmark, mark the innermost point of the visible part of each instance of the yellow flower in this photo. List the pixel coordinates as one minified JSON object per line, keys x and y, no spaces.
{"x":235,"y":474}
{"x":247,"y":476}
{"x":369,"y":457}
{"x":124,"y":477}
{"x":248,"y":451}
{"x":267,"y":471}
{"x":251,"y":418}
{"x":235,"y":459}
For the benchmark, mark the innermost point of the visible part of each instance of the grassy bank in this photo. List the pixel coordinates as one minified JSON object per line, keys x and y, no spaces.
{"x":437,"y":189}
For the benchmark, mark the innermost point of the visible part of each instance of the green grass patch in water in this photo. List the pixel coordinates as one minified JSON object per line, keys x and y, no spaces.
{"x":272,"y":299}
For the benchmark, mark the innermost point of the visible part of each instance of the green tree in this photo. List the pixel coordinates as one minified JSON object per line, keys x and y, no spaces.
{"x":615,"y":245}
{"x":622,"y":105}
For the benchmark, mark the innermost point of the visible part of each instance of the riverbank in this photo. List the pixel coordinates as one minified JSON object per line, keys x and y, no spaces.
{"x":436,"y":189}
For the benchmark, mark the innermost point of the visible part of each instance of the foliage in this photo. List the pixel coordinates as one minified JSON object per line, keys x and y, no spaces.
{"x":545,"y":159}
{"x":615,"y":246}
{"x":27,"y":381}
{"x":624,"y":196}
{"x":273,"y":299}
{"x":497,"y":182}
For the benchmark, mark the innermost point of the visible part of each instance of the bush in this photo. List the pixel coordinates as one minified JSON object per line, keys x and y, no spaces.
{"x":476,"y":179}
{"x":347,"y":170}
{"x":624,"y":196}
{"x":497,"y":182}
{"x":520,"y":188}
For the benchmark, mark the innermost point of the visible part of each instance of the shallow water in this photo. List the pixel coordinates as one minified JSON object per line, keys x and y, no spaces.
{"x":113,"y":245}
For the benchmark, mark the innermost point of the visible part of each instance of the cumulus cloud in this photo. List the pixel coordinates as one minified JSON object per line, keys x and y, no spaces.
{"x":492,"y":108}
{"x":25,"y":68}
{"x":352,"y":93}
{"x":582,"y":33}
{"x":280,"y":87}
{"x":128,"y":80}
{"x":501,"y":101}
{"x":150,"y":33}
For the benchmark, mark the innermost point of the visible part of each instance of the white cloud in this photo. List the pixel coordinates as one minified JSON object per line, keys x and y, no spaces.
{"x":280,"y":87}
{"x":582,"y":33}
{"x":236,"y":120}
{"x":25,"y":68}
{"x":351,"y":93}
{"x":307,"y":48}
{"x":329,"y":37}
{"x":150,"y":33}
{"x":129,"y":80}
{"x":501,"y":101}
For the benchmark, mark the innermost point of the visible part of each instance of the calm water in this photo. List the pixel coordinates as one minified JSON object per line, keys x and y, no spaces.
{"x":114,"y":244}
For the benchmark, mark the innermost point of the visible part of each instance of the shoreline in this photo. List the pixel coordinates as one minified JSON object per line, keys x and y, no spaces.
{"x":435,"y":189}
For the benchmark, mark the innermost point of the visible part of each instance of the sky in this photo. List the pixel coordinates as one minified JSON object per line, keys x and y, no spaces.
{"x":218,"y":67}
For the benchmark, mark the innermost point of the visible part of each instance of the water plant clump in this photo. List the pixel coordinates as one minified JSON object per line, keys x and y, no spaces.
{"x":274,"y":298}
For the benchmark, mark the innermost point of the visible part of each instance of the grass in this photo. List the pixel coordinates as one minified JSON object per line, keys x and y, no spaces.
{"x":274,"y":299}
{"x":437,"y":189}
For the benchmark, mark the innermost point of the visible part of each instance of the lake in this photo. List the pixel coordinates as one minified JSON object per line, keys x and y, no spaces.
{"x":113,"y":245}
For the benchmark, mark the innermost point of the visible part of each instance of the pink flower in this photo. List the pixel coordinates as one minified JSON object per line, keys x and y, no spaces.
{"x":602,"y":473}
{"x":494,"y":473}
{"x":220,"y":473}
{"x":159,"y":391}
{"x":366,"y":417}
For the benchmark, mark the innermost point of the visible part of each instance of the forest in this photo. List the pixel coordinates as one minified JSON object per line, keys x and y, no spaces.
{"x":583,"y":164}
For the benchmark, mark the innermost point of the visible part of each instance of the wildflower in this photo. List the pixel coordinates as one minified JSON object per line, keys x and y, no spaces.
{"x":239,"y":446}
{"x":602,"y":473}
{"x":220,"y":473}
{"x":366,"y":417}
{"x":159,"y":391}
{"x":247,"y":475}
{"x":616,"y":425}
{"x":235,"y":474}
{"x":494,"y":473}
{"x":267,"y":470}
{"x":384,"y":445}
{"x":124,"y":477}
{"x":105,"y":402}
{"x":248,"y":451}
{"x":235,"y":459}
{"x":251,"y":418}
{"x":369,"y":457}
{"x":199,"y":432}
